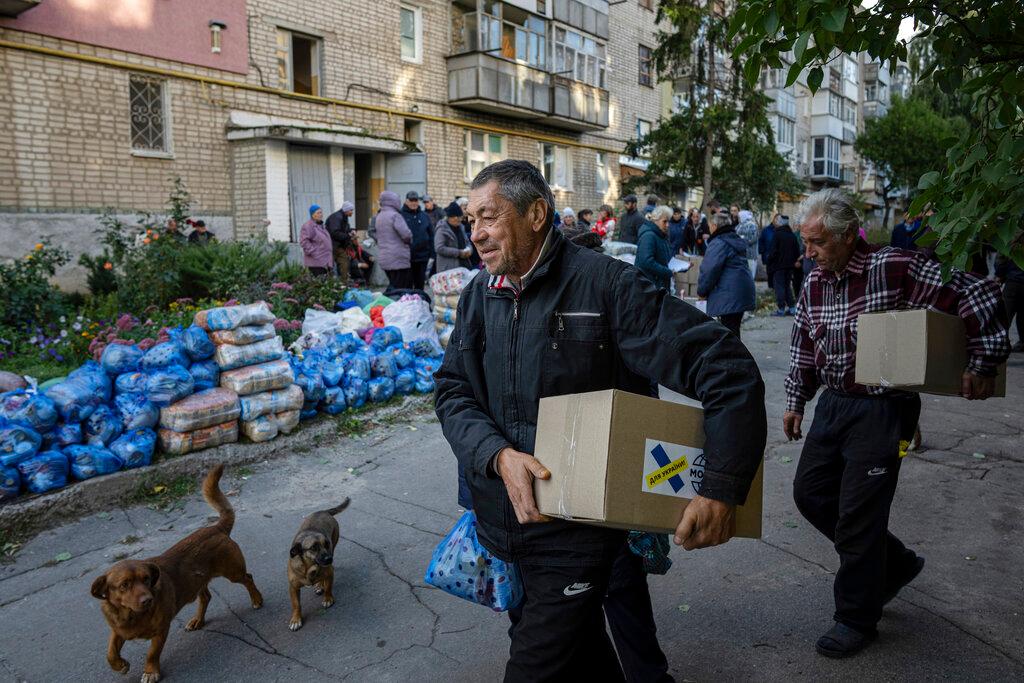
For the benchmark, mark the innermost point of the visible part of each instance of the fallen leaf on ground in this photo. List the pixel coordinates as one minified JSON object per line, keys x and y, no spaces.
{"x":786,"y":458}
{"x":979,"y":456}
{"x":63,"y":557}
{"x":160,"y":488}
{"x":789,"y":525}
{"x":684,"y":608}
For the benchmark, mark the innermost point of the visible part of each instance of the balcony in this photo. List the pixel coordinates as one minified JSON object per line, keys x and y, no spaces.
{"x":489,"y":84}
{"x":873,"y":109}
{"x":849,"y":135}
{"x":12,"y":8}
{"x":848,"y":175}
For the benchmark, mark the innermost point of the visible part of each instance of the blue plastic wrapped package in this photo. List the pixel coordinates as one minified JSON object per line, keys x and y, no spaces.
{"x":83,"y":390}
{"x":381,"y":389}
{"x":136,"y":411}
{"x":247,"y":334}
{"x":229,"y":357}
{"x":10,"y":483}
{"x":270,"y":402}
{"x":462,"y":567}
{"x":64,"y":434}
{"x":92,"y":461}
{"x":18,"y":443}
{"x":29,"y":408}
{"x":309,"y":377}
{"x":356,"y":392}
{"x":197,"y":343}
{"x":205,"y":374}
{"x":164,"y":355}
{"x":347,"y":343}
{"x":427,"y":347}
{"x":383,"y":337}
{"x":102,"y":427}
{"x":267,"y":427}
{"x":403,"y":354}
{"x":384,"y":365}
{"x":46,"y":471}
{"x":135,"y":448}
{"x":333,"y":371}
{"x":131,"y":383}
{"x":170,"y":384}
{"x":425,"y":369}
{"x":361,"y":296}
{"x":357,"y":366}
{"x":405,"y":382}
{"x":118,"y":359}
{"x":333,"y":401}
{"x":93,"y":375}
{"x":230,"y":317}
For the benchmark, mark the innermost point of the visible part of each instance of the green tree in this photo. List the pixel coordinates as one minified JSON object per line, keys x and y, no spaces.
{"x":976,"y":50}
{"x":909,"y":141}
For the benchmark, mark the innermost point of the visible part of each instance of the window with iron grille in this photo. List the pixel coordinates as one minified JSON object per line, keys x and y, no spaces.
{"x":149,"y":120}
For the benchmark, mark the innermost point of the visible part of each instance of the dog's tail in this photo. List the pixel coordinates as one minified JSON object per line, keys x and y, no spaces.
{"x":217,"y":500}
{"x":338,"y":508}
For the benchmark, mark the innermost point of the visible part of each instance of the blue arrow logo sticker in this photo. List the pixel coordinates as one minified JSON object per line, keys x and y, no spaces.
{"x":672,"y":470}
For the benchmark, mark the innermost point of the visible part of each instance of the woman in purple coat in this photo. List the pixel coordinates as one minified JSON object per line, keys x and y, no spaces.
{"x":317,"y":249}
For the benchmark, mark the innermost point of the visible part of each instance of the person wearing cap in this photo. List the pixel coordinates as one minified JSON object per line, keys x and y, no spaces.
{"x":341,"y":237}
{"x":393,"y":240}
{"x":568,"y":218}
{"x":629,"y":224}
{"x":317,"y":249}
{"x":421,"y":250}
{"x":433,"y":211}
{"x":450,"y":242}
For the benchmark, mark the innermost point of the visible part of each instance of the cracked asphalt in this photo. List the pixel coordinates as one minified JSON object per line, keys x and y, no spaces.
{"x":746,"y":610}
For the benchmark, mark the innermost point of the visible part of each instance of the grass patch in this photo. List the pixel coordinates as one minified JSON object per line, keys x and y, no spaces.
{"x":11,"y":540}
{"x":162,"y":495}
{"x":243,"y":472}
{"x":41,"y":370}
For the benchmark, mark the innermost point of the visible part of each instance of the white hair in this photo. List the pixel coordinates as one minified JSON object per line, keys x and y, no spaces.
{"x":463,"y":202}
{"x":659,"y":212}
{"x":836,"y":210}
{"x":746,"y":216}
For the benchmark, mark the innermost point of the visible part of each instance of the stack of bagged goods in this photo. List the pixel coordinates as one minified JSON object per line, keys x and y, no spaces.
{"x":205,"y":419}
{"x":252,"y":363}
{"x":685,"y":281}
{"x":447,"y":287}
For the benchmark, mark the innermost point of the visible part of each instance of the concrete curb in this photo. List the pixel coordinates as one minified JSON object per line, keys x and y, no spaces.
{"x":34,"y":513}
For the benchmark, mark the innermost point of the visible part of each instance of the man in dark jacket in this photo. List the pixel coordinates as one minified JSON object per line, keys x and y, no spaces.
{"x":781,"y":259}
{"x":554,"y":318}
{"x":1012,"y":277}
{"x":631,"y":220}
{"x":422,"y":248}
{"x":341,"y":237}
{"x":676,"y":231}
{"x":433,"y":211}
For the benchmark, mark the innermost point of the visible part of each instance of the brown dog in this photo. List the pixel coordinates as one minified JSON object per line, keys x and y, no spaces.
{"x":141,"y":597}
{"x":311,"y":559}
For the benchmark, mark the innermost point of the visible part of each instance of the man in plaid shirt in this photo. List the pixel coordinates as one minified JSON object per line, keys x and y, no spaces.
{"x":850,"y":463}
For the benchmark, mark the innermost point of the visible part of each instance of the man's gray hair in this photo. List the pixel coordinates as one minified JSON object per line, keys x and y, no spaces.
{"x":521,"y":183}
{"x":836,"y":209}
{"x":659,"y":212}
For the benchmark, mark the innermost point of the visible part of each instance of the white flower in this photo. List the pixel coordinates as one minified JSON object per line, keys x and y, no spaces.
{"x":63,"y":320}
{"x":63,"y":333}
{"x":32,"y":340}
{"x":77,"y":327}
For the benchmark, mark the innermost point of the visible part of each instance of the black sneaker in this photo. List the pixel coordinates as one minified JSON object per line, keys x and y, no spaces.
{"x":842,"y":641}
{"x":909,"y":576}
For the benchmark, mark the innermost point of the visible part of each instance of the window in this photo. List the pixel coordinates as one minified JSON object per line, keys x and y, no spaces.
{"x":150,"y":122}
{"x":849,"y":111}
{"x":825,"y":159}
{"x":579,"y":57}
{"x":508,"y":31}
{"x":835,"y":105}
{"x":602,"y":175}
{"x":556,"y":165}
{"x":785,"y":104}
{"x":298,"y":62}
{"x":646,"y":67}
{"x":410,"y":30}
{"x":643,"y":129}
{"x":850,"y":69}
{"x":783,"y":131}
{"x":874,"y":92}
{"x":482,"y":149}
{"x":835,"y":81}
{"x":414,"y":132}
{"x":773,"y":78}
{"x":647,"y":4}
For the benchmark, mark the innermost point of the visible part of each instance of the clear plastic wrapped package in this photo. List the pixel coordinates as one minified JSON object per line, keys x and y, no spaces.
{"x":253,"y":379}
{"x":204,"y":409}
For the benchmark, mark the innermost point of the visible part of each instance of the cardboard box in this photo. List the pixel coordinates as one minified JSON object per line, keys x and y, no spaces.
{"x":694,"y":272}
{"x":920,"y":350}
{"x":626,"y":461}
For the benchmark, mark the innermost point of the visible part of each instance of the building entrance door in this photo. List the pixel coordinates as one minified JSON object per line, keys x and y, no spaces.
{"x":309,"y":178}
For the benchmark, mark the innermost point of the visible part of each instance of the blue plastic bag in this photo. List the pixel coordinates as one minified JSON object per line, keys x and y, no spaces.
{"x":462,"y":567}
{"x":102,"y":427}
{"x":381,"y":389}
{"x":427,"y":347}
{"x":333,"y":401}
{"x":357,"y":366}
{"x":136,"y":411}
{"x":333,"y":371}
{"x":383,"y":337}
{"x":197,"y":343}
{"x":425,"y":369}
{"x":360,"y":296}
{"x":64,"y":434}
{"x":164,"y":355}
{"x":347,"y":343}
{"x":205,"y":374}
{"x":308,"y":411}
{"x":118,"y":359}
{"x":405,"y":382}
{"x":384,"y":365}
{"x":18,"y":443}
{"x":31,"y":409}
{"x":356,"y":392}
{"x":10,"y":483}
{"x":44,"y":472}
{"x":403,"y":354}
{"x":92,"y":461}
{"x":170,"y":384}
{"x":83,"y":390}
{"x":135,"y":448}
{"x":131,"y":383}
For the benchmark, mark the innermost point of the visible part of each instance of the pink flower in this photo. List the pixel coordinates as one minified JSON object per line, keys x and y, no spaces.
{"x":319,"y":307}
{"x":231,"y":302}
{"x":122,"y":342}
{"x":183,"y":301}
{"x":98,"y":351}
{"x":296,"y":325}
{"x":284,"y":286}
{"x":111,"y":336}
{"x":281,"y":324}
{"x":125,"y":322}
{"x":149,"y":322}
{"x":147,"y":343}
{"x":293,"y":302}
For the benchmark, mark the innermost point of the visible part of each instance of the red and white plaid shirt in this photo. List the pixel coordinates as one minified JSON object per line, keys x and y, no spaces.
{"x":824,"y":342}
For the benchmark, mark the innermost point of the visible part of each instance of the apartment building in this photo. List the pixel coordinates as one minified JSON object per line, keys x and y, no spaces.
{"x":264,"y":107}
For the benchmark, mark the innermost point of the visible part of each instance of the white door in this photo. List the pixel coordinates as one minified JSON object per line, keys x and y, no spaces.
{"x":309,"y":176}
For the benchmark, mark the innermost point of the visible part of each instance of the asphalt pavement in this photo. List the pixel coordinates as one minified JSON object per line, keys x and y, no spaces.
{"x":749,"y":610}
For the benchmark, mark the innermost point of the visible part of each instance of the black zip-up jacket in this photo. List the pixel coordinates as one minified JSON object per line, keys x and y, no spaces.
{"x":586,"y":322}
{"x":629,"y":226}
{"x":422,"y":246}
{"x":785,"y":250}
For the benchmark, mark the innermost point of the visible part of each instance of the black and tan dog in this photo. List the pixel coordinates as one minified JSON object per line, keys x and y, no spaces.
{"x":141,"y":597}
{"x":311,"y":559}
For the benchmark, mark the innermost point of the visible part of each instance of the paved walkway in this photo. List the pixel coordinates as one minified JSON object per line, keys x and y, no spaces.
{"x":747,"y":610}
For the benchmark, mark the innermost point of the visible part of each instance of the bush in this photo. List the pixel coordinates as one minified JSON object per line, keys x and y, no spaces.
{"x":229,"y":269}
{"x":26,"y":295}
